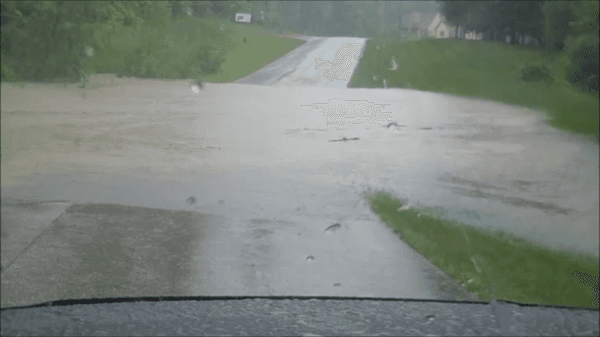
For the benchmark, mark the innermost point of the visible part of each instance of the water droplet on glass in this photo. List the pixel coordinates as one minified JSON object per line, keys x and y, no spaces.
{"x":430,"y":318}
{"x":309,"y":258}
{"x":190,"y":200}
{"x":337,"y":285}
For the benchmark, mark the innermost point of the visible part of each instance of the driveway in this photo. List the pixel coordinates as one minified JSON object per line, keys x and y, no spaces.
{"x":142,"y":187}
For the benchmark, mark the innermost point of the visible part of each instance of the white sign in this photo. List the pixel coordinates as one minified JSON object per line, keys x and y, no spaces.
{"x":243,"y":17}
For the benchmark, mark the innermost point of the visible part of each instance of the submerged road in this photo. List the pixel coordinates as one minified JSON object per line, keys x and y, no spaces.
{"x":142,"y":187}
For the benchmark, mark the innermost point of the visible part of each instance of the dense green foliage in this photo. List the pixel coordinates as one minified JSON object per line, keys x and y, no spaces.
{"x":51,"y":40}
{"x":184,"y":49}
{"x":582,"y":45}
{"x":557,"y":16}
{"x":583,"y":62}
{"x":555,"y":25}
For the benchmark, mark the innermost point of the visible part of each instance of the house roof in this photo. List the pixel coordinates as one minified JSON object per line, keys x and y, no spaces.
{"x":426,"y":20}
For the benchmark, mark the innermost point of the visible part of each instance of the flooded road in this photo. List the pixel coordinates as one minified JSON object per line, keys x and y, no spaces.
{"x":246,"y":194}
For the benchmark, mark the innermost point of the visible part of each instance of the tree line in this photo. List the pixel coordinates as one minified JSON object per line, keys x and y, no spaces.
{"x":557,"y":26}
{"x":46,"y":39}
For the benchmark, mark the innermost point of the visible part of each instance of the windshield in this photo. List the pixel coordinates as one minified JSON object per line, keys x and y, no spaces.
{"x":409,"y":149}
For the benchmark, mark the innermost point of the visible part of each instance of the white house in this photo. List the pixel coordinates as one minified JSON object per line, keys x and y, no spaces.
{"x":243,"y":17}
{"x":471,"y":35}
{"x":441,"y":29}
{"x":416,"y":23}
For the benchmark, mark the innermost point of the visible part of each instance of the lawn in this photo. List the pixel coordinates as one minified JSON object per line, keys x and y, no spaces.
{"x":491,"y":264}
{"x":488,"y":70}
{"x":172,"y":52}
{"x":261,"y":48}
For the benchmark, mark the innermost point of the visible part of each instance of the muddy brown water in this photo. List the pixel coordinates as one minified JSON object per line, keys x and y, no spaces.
{"x":259,"y":163}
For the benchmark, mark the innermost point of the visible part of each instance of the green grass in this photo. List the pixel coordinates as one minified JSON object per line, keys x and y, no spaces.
{"x":242,"y":59}
{"x":487,"y":70}
{"x":172,"y":52}
{"x":518,"y":270}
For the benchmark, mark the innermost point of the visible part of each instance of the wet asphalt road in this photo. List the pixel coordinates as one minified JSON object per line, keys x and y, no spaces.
{"x":149,"y":189}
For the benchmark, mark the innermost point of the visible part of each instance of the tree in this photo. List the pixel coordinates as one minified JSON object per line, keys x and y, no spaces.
{"x":45,"y":40}
{"x":585,"y":17}
{"x":582,"y":45}
{"x":338,"y":24}
{"x":457,"y":13}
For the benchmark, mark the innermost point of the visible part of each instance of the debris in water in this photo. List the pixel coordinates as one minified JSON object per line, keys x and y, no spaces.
{"x":333,"y":228}
{"x":337,"y":285}
{"x":390,"y":124}
{"x":344,"y":139}
{"x":394,"y":65}
{"x":196,"y":86}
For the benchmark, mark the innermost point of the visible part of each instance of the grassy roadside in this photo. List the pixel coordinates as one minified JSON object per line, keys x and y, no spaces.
{"x":487,"y":70}
{"x":172,"y":52}
{"x":241,"y":59}
{"x":491,"y":263}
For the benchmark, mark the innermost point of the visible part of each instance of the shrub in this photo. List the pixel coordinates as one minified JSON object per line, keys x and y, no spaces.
{"x":7,"y":73}
{"x":535,"y":72}
{"x":582,"y":69}
{"x":207,"y":61}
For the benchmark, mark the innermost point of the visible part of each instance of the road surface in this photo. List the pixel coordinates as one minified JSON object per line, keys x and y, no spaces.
{"x":138,"y":187}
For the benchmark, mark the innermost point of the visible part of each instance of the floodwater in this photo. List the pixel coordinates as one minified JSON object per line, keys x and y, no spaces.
{"x":269,"y":181}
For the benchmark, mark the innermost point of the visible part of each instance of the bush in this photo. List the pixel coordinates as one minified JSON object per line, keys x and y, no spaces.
{"x":207,"y":61}
{"x":531,"y":72}
{"x":582,"y":69}
{"x":7,"y":73}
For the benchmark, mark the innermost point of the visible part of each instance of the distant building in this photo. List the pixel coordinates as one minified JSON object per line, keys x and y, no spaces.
{"x":416,"y":23}
{"x":441,"y":29}
{"x":243,"y":17}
